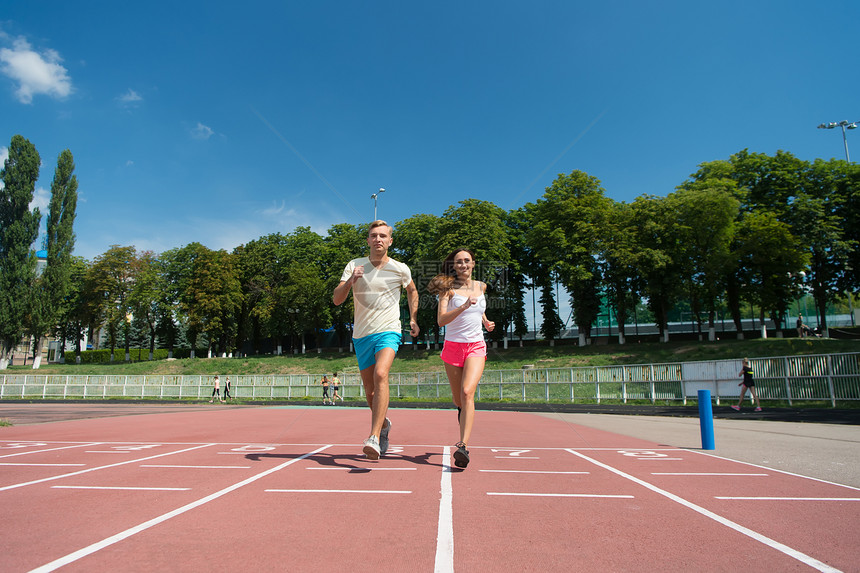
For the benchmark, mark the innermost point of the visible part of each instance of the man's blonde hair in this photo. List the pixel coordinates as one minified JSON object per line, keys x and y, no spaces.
{"x":380,"y":223}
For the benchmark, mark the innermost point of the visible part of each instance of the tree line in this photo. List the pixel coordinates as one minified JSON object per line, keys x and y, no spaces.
{"x":753,"y":229}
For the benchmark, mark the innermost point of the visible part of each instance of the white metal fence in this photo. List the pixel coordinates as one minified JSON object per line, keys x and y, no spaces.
{"x":830,"y":377}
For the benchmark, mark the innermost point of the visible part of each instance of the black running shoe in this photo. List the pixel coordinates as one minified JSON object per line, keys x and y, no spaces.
{"x":461,"y":456}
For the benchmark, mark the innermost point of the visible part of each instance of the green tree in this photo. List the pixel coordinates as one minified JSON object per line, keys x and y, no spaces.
{"x":146,"y":301}
{"x":52,"y":288}
{"x":620,"y":254}
{"x":111,"y":280}
{"x":19,"y":228}
{"x":74,"y":318}
{"x":659,"y":257}
{"x":770,"y":259}
{"x":705,"y":214}
{"x":571,"y":218}
{"x":209,"y":293}
{"x":516,"y":223}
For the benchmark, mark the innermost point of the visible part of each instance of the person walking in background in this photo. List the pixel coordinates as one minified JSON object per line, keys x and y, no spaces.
{"x":217,"y":390}
{"x":227,"y":388}
{"x":326,"y":398}
{"x":335,"y":387}
{"x":747,"y":384}
{"x":376,"y":282}
{"x":461,"y":311}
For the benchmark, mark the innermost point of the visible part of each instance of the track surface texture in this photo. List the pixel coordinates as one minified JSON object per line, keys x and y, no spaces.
{"x":225,"y":488}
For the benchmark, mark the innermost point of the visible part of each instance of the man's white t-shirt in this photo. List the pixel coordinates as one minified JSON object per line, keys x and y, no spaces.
{"x":376,"y":296}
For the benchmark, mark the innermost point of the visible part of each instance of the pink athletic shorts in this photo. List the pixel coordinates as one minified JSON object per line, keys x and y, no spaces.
{"x":456,"y":353}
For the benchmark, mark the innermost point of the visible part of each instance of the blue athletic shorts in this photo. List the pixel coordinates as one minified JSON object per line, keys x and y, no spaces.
{"x":366,"y":347}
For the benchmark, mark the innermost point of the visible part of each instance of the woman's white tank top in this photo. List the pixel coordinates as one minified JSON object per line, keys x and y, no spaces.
{"x":467,"y":326}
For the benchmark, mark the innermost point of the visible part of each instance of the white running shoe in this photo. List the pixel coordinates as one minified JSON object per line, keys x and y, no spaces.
{"x":371,"y":448}
{"x":383,"y":437}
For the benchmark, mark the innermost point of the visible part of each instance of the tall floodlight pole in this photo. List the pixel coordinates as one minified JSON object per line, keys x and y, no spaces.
{"x":374,"y":196}
{"x":844,"y":125}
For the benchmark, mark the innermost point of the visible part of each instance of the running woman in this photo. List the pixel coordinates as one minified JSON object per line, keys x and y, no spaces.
{"x":376,"y":282}
{"x":461,"y":311}
{"x":326,"y":398}
{"x":747,"y":384}
{"x":335,"y":386}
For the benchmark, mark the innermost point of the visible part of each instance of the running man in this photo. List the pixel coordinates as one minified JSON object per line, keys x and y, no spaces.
{"x":376,"y":282}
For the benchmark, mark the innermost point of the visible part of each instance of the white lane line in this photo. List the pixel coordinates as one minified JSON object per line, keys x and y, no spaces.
{"x":336,"y":491}
{"x":706,"y":474}
{"x":783,"y":472}
{"x":794,"y":553}
{"x":108,"y":452}
{"x":661,"y":459}
{"x":445,"y":528}
{"x":83,"y":445}
{"x":532,"y":472}
{"x":39,"y":465}
{"x":368,"y":469}
{"x":791,"y":498}
{"x":585,"y":495}
{"x":518,"y":457}
{"x":196,"y":467}
{"x":61,"y":476}
{"x":90,"y":549}
{"x":120,"y":488}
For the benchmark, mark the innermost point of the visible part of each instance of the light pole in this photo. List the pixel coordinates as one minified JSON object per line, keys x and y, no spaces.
{"x":374,"y":196}
{"x":844,"y":125}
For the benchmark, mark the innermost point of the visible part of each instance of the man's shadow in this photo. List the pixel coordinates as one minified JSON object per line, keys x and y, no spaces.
{"x":349,"y":461}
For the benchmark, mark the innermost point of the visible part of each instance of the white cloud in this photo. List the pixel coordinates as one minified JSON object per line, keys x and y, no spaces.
{"x":36,"y":73}
{"x":41,"y":199}
{"x":201,"y":131}
{"x":130,"y":97}
{"x":4,"y":155}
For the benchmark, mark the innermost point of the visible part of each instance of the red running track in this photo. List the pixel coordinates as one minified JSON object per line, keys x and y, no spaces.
{"x":273,"y":489}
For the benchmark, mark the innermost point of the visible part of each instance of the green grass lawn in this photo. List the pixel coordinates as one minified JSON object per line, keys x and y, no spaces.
{"x":421,"y":360}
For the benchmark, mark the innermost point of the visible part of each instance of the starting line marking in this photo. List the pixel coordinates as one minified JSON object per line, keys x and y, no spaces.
{"x":39,"y":465}
{"x":588,"y":495}
{"x":197,"y":467}
{"x":705,"y":474}
{"x":336,"y":491}
{"x":532,"y":472}
{"x":790,"y":498}
{"x":367,"y":469}
{"x":120,"y":488}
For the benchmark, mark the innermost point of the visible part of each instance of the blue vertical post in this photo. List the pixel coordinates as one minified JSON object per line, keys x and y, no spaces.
{"x":706,"y":419}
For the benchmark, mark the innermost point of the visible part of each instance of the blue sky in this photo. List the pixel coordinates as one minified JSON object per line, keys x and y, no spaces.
{"x":220,"y":122}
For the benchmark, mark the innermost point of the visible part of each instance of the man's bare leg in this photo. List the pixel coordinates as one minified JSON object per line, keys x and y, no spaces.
{"x":375,"y":380}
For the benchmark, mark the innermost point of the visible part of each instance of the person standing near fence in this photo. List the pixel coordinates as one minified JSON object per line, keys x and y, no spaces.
{"x":216,"y":391}
{"x":376,"y":282}
{"x":747,"y":384}
{"x":227,"y":388}
{"x":461,"y":311}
